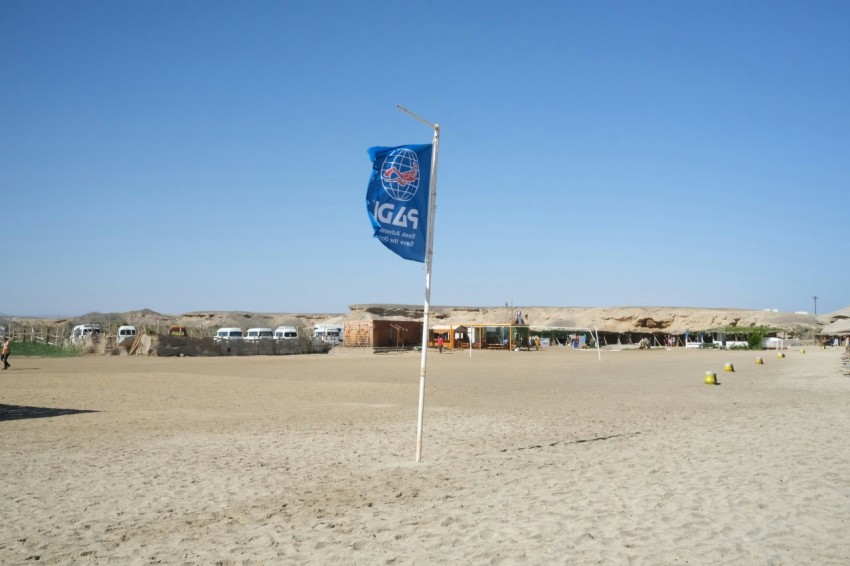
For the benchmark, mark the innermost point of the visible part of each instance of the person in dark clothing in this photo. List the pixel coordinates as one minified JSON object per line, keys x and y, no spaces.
{"x":6,"y":351}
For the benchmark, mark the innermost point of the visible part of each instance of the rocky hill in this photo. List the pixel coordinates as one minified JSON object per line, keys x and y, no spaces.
{"x":674,"y":320}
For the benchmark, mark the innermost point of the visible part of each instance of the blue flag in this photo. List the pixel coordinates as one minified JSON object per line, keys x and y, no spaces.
{"x":397,"y":198}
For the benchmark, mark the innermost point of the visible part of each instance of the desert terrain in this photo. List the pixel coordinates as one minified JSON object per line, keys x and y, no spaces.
{"x":528,"y":458}
{"x":617,"y":319}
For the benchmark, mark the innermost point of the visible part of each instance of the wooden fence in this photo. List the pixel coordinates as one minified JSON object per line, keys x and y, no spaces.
{"x":53,"y":335}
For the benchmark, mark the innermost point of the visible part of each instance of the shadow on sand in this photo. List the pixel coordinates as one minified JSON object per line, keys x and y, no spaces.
{"x":17,"y":412}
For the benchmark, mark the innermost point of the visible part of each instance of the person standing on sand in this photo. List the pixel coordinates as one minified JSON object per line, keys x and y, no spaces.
{"x":5,"y":355}
{"x":440,"y":343}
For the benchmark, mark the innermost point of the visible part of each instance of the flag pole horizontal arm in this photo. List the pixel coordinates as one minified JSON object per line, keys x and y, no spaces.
{"x":424,"y":121}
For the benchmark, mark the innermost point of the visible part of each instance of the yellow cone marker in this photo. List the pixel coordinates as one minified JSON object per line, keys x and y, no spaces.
{"x":759,"y":361}
{"x":802,"y":351}
{"x":728,"y":367}
{"x":780,"y":355}
{"x":710,"y":378}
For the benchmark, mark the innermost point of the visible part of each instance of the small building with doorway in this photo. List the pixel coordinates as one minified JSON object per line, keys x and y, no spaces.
{"x":374,"y":333}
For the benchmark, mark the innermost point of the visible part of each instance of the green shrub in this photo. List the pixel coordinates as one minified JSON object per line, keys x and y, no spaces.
{"x":756,"y":336}
{"x":42,"y":350}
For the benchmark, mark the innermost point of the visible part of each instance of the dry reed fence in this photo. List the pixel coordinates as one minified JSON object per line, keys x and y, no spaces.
{"x":60,"y":335}
{"x":52,"y":335}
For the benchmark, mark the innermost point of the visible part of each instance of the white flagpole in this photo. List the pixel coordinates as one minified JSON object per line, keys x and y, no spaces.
{"x":429,"y":252}
{"x":598,"y":351}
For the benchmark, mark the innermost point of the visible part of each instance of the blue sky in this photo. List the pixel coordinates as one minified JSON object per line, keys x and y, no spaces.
{"x":185,"y":156}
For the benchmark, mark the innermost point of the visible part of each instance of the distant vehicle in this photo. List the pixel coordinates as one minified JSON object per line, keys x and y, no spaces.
{"x":178,"y":330}
{"x":125,"y":333}
{"x":285,"y":333}
{"x":255,"y":334}
{"x":329,"y":333}
{"x":224,"y":334}
{"x":83,"y":330}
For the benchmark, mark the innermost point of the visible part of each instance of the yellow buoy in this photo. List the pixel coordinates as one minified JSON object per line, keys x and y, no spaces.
{"x":710,"y":378}
{"x":728,"y":367}
{"x":759,"y":361}
{"x":780,"y":355}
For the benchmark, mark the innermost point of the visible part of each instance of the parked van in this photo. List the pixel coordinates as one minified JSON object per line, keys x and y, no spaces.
{"x":259,"y":334}
{"x":285,"y":333}
{"x":125,"y":333}
{"x":228,"y":334}
{"x":328,"y":333}
{"x":83,"y":330}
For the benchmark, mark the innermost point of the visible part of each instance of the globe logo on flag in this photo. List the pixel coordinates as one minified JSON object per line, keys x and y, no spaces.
{"x":400,"y":174}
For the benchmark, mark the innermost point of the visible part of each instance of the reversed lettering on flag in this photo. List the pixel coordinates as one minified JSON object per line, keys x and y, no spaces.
{"x":397,"y":198}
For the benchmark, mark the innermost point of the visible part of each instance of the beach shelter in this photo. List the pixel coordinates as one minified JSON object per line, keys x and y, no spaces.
{"x":488,"y":336}
{"x":454,"y":337}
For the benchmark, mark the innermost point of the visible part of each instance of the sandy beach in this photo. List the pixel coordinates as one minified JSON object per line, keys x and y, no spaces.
{"x":549,"y":457}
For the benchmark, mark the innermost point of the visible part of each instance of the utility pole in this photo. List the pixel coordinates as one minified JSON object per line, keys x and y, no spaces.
{"x":816,"y":303}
